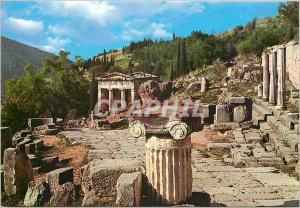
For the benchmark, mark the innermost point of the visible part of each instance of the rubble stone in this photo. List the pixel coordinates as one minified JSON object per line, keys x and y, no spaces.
{"x":37,"y":194}
{"x":63,"y":196}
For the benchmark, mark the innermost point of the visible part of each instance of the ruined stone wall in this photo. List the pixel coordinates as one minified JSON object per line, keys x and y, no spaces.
{"x":292,"y":63}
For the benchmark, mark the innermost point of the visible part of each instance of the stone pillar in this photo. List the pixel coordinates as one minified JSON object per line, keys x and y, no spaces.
{"x":132,"y":95}
{"x":99,"y":98}
{"x":123,"y":96}
{"x":203,"y":84}
{"x":259,"y":91}
{"x":265,"y":64}
{"x":110,"y":98}
{"x":168,"y":161}
{"x":281,"y":78}
{"x":272,"y":87}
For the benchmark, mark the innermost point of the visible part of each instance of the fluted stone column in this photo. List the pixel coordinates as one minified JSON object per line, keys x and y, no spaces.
{"x":272,"y":86}
{"x":265,"y":64}
{"x":168,"y":161}
{"x":281,"y":78}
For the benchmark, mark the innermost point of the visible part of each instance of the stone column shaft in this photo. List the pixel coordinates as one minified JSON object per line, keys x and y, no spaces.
{"x":110,"y":98}
{"x":265,"y":63}
{"x":132,"y":95}
{"x":272,"y":87}
{"x":168,"y":169}
{"x":99,"y":98}
{"x":281,"y":78}
{"x":203,"y":84}
{"x":122,"y":94}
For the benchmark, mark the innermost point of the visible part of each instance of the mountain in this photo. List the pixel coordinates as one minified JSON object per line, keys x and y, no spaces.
{"x":15,"y":55}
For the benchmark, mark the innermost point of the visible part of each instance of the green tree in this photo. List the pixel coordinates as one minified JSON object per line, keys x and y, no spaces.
{"x":55,"y":89}
{"x":290,"y":12}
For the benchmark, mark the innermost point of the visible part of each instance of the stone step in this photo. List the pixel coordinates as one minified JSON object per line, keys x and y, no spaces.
{"x":261,"y":109}
{"x":264,"y":105}
{"x":257,"y":118}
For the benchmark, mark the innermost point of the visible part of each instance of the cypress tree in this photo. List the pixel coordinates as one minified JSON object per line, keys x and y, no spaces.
{"x":178,"y":59}
{"x":172,"y":73}
{"x":183,"y":59}
{"x":104,"y":56}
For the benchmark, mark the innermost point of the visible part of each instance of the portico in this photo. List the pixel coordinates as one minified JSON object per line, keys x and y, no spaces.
{"x":119,"y":86}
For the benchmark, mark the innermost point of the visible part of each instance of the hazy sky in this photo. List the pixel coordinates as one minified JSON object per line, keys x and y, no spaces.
{"x":88,"y":27}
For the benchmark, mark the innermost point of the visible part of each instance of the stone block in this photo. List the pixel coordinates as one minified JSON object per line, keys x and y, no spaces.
{"x":49,"y":163}
{"x":63,"y":196}
{"x":38,"y":193}
{"x":129,"y":189}
{"x":54,"y":131}
{"x":224,"y":126}
{"x":270,"y":161}
{"x":24,"y":133}
{"x":239,"y":100}
{"x":99,"y":180}
{"x":239,"y":114}
{"x":6,"y":140}
{"x":39,"y":144}
{"x":17,"y":171}
{"x":59,"y":177}
{"x":223,"y":146}
{"x":30,"y":148}
{"x":16,"y":139}
{"x":21,"y":145}
{"x":222,"y":114}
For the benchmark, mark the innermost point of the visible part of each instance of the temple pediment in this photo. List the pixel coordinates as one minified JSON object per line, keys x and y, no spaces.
{"x":115,"y":76}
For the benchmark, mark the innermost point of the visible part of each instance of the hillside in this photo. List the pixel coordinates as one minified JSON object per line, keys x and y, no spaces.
{"x":171,"y":59}
{"x":15,"y":55}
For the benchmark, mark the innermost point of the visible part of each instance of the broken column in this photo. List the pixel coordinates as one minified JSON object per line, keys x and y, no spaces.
{"x":259,"y":91}
{"x":281,"y":78}
{"x":272,"y":86}
{"x":203,"y":84}
{"x":168,"y":159}
{"x":265,"y":64}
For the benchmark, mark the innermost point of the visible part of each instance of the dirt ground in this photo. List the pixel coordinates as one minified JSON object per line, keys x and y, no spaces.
{"x":74,"y":156}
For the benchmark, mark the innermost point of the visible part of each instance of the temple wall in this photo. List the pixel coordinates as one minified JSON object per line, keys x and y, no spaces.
{"x":292,"y":63}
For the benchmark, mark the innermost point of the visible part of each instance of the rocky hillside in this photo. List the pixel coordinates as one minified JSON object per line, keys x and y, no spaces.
{"x":16,"y":55}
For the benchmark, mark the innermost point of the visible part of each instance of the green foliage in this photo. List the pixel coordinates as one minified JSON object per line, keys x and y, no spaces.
{"x":290,"y":12}
{"x":51,"y":91}
{"x":275,"y":32}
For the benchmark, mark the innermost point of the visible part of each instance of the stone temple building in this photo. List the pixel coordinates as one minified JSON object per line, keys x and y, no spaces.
{"x":280,"y":65}
{"x":119,"y":86}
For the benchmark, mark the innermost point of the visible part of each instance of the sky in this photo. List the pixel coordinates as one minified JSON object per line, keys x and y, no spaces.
{"x":87,"y":27}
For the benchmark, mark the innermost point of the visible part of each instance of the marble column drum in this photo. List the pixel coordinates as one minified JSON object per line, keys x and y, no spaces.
{"x":259,"y":91}
{"x":265,"y":64}
{"x":272,"y":86}
{"x":168,"y":169}
{"x":281,"y":79}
